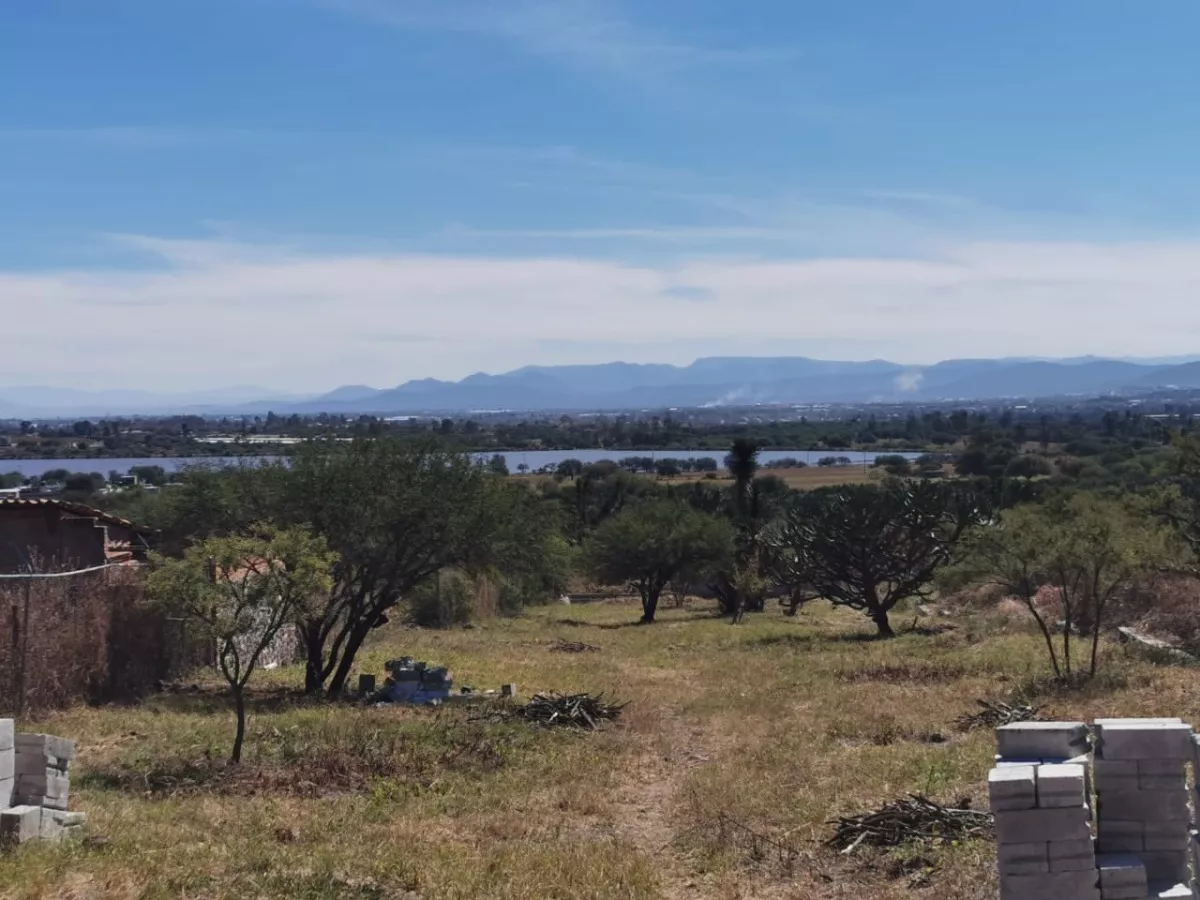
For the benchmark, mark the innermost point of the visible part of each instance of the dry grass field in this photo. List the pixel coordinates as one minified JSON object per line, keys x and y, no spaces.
{"x":769,"y":729}
{"x":801,"y":478}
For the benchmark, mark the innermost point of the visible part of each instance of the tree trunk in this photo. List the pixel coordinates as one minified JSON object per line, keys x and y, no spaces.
{"x":314,"y":650}
{"x":349,"y":650}
{"x":239,"y":704}
{"x":650,"y":605}
{"x":880,"y":618}
{"x":1092,"y":664}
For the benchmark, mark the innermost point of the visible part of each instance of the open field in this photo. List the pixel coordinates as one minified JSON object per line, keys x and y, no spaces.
{"x":801,"y":478}
{"x":778,"y":725}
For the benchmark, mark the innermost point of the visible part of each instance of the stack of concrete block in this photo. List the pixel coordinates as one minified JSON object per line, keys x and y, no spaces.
{"x":43,"y":770}
{"x":1144,"y":817}
{"x":1195,"y":836}
{"x":1043,"y":821}
{"x":35,"y":787}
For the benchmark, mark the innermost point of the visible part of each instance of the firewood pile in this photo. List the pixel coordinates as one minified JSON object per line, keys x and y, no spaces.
{"x":911,"y":820}
{"x":569,"y":711}
{"x":995,"y":714}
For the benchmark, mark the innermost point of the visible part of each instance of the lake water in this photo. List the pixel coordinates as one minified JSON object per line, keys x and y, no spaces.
{"x":534,"y":459}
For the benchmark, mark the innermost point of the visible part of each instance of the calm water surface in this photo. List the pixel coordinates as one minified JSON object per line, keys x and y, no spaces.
{"x":534,"y":459}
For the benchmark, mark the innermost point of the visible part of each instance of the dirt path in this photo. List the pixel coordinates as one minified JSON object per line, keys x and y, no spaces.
{"x":647,"y":805}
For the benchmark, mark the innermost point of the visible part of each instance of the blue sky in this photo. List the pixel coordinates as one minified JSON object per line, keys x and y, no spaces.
{"x":304,"y":193}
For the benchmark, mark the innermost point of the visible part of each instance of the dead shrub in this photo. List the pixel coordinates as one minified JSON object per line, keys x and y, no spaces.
{"x":93,"y":638}
{"x":908,"y":671}
{"x":1167,"y":607}
{"x":329,"y":759}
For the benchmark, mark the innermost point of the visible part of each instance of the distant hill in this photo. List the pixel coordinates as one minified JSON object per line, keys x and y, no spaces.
{"x":21,"y":401}
{"x":712,"y":381}
{"x":728,"y":381}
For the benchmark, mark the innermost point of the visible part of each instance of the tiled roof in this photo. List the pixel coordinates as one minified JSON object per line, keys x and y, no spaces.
{"x":76,"y":509}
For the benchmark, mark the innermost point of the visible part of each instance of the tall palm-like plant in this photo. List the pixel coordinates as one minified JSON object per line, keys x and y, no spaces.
{"x":744,"y":586}
{"x":742,"y":463}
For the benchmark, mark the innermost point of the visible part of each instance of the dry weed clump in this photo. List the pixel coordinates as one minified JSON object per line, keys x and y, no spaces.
{"x":1168,"y":608}
{"x":88,"y":638}
{"x":323,"y":761}
{"x":916,"y":671}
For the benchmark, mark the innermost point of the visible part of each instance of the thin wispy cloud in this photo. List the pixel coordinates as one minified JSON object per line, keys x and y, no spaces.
{"x":593,"y":35}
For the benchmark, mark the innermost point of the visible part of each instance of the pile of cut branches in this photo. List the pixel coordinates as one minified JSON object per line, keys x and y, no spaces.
{"x":914,"y":819}
{"x":569,"y":711}
{"x":574,"y":647}
{"x":995,"y":714}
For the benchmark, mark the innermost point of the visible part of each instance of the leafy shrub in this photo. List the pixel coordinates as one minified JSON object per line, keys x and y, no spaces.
{"x":445,"y":600}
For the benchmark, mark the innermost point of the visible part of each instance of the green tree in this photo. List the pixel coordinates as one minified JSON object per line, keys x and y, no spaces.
{"x":742,"y":463}
{"x":498,"y":464}
{"x":444,"y":600}
{"x":893,"y":464}
{"x":869,"y":547}
{"x":241,"y":591}
{"x":395,"y":513}
{"x":650,"y":544}
{"x":1028,"y":465}
{"x":1067,"y":560}
{"x":152,"y":475}
{"x":80,"y":486}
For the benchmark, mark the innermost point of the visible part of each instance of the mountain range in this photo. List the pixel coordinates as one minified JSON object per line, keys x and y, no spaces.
{"x":707,"y":382}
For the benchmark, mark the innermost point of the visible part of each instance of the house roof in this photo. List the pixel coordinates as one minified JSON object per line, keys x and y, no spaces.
{"x":75,"y":509}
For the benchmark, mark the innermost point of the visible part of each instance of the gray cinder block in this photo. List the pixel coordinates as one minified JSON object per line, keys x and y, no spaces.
{"x":1115,"y":768}
{"x":47,"y":785}
{"x":7,"y":734}
{"x":1042,"y":740}
{"x":51,"y":829}
{"x":1100,"y":724}
{"x":1161,"y":775}
{"x":1162,"y":767}
{"x":20,"y":824}
{"x":1022,"y":859}
{"x":1012,"y":788}
{"x":1060,"y":785}
{"x":8,"y":765}
{"x":1119,"y":870}
{"x":50,"y":790}
{"x":1138,"y":741}
{"x":59,"y":824}
{"x":1115,"y":774}
{"x":46,"y":744}
{"x":6,"y":792}
{"x":1043,"y":825}
{"x":1116,"y":836}
{"x":1144,"y":806}
{"x":1166,"y":836}
{"x":1053,"y":886}
{"x":1071,"y":856}
{"x":1165,"y":865}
